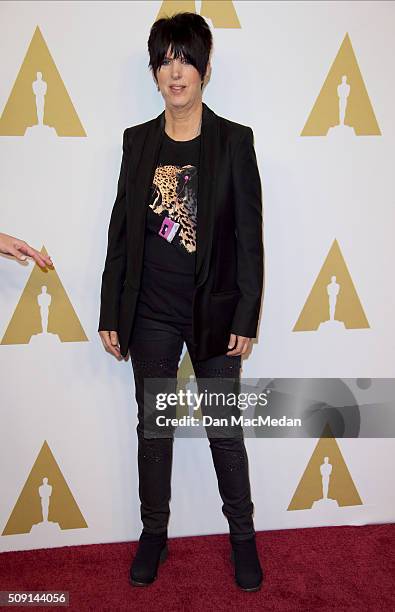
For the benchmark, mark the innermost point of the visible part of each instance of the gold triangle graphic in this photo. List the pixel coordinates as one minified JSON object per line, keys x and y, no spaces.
{"x":185,"y":370}
{"x":333,"y":278}
{"x":221,"y":12}
{"x":341,"y":486}
{"x":44,"y":301}
{"x":169,"y":8}
{"x":45,"y":483}
{"x":21,"y":112}
{"x":328,"y":107}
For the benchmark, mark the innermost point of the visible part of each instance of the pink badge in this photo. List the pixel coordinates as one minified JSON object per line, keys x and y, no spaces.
{"x":168,"y":229}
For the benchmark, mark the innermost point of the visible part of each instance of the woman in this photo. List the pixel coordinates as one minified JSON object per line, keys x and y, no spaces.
{"x":185,"y":263}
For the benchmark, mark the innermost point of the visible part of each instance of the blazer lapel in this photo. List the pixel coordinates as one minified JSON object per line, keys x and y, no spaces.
{"x":207,"y":173}
{"x":139,"y":190}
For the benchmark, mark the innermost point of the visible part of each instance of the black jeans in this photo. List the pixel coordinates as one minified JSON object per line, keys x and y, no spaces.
{"x":155,"y":350}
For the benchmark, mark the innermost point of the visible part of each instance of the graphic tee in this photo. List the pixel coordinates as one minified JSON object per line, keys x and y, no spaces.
{"x":173,"y":199}
{"x":170,"y":233}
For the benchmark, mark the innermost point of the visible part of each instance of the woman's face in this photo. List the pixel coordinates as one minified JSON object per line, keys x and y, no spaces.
{"x":179,"y":82}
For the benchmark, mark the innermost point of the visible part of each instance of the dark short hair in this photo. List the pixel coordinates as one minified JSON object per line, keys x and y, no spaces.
{"x":188,"y":35}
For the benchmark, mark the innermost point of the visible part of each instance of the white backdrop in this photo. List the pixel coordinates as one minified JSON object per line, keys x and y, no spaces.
{"x":68,"y":411}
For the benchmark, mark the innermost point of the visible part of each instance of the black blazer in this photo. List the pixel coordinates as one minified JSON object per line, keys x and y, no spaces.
{"x":229,"y":246}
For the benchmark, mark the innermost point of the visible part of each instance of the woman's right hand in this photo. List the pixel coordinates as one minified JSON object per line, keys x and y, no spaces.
{"x":9,"y":245}
{"x":111,"y":343}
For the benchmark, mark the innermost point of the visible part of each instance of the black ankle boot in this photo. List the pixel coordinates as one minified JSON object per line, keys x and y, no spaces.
{"x":248,"y":571}
{"x":152,"y":551}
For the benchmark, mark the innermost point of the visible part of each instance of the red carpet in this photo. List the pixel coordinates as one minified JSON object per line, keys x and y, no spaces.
{"x":324,"y":568}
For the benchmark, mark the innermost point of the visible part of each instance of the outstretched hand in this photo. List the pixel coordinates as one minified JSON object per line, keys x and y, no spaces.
{"x":9,"y":245}
{"x":240,"y":345}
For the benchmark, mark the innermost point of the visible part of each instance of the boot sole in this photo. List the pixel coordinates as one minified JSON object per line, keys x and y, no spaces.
{"x":163,"y":556}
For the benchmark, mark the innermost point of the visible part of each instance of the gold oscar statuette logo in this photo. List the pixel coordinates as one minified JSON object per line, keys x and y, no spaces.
{"x":39,"y":105}
{"x":343,"y":107}
{"x":46,"y":505}
{"x":333,"y":304}
{"x":326,"y":482}
{"x":44,"y":313}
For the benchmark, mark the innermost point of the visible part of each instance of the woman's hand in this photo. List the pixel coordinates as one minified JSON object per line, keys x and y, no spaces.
{"x":241,"y":345}
{"x":111,"y":343}
{"x":20,"y":249}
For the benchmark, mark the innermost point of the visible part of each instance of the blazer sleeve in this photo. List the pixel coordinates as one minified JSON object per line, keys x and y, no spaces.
{"x":250,"y":252}
{"x":115,"y":264}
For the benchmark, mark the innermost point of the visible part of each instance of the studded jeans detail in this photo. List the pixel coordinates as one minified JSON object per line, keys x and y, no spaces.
{"x":155,"y":367}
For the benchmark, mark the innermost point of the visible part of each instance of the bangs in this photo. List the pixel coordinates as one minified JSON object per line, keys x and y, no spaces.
{"x":179,"y":49}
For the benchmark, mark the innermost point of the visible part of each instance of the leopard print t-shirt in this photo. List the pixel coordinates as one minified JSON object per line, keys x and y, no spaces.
{"x":170,"y":239}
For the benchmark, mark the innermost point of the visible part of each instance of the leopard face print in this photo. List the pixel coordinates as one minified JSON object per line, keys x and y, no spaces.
{"x":173,"y":194}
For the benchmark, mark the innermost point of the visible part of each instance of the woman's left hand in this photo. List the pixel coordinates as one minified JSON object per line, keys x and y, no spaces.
{"x":241,"y":345}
